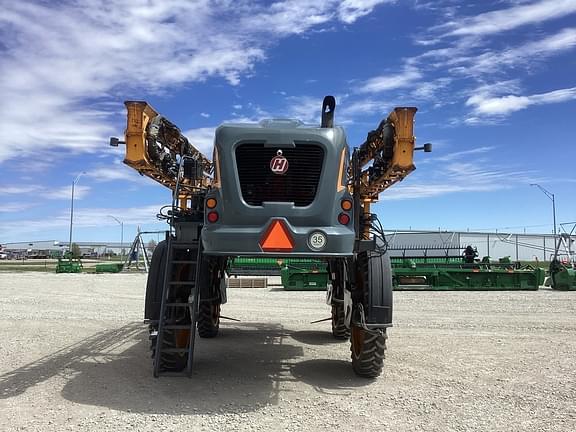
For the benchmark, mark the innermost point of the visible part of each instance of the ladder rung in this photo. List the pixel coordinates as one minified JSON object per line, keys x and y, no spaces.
{"x":178,"y":327}
{"x":178,"y":304}
{"x":184,"y":245}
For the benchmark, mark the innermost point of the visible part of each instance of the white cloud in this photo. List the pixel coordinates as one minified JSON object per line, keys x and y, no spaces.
{"x":506,"y":19}
{"x":202,"y":139}
{"x":64,"y":62}
{"x":115,"y":172}
{"x":14,"y":207}
{"x":390,"y":82}
{"x":61,"y":192}
{"x":485,"y":105}
{"x":459,"y":177}
{"x":530,"y":53}
{"x":83,"y":217}
{"x":205,"y":115}
{"x":305,"y":108}
{"x":457,"y":155}
{"x":350,"y":10}
{"x":65,"y":192}
{"x":18,"y":190}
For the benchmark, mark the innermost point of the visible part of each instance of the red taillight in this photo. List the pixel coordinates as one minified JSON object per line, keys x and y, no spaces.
{"x":343,"y":218}
{"x":212,"y":217}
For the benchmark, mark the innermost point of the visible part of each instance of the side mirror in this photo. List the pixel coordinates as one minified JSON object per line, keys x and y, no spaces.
{"x":426,"y":147}
{"x":115,"y":141}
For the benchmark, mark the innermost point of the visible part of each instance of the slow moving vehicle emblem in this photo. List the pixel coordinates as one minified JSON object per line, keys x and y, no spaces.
{"x":279,"y":164}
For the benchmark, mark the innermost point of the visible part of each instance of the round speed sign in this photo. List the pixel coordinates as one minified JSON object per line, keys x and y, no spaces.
{"x":317,"y":240}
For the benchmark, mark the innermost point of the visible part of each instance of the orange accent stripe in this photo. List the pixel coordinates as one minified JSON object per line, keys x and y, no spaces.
{"x":339,"y":186}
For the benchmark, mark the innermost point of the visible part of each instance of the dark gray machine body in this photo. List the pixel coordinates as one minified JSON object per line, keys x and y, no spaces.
{"x":307,"y":197}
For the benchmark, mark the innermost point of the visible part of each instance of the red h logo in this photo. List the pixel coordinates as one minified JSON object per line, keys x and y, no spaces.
{"x":279,"y":164}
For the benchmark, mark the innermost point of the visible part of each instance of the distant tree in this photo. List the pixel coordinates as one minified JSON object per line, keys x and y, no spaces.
{"x":152,"y":245}
{"x":75,"y":249}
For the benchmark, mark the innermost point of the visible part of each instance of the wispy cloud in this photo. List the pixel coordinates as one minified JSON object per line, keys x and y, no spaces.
{"x":528,"y":54}
{"x":44,"y":192}
{"x":390,"y":82}
{"x":202,"y":139}
{"x":457,"y":155}
{"x":502,"y":20}
{"x":458,"y":177}
{"x":83,"y":217}
{"x":485,"y":105}
{"x":65,"y":192}
{"x":350,"y":10}
{"x":116,"y":172}
{"x":14,"y":207}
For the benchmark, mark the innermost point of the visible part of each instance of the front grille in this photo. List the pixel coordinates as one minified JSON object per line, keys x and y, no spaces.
{"x":298,"y":185}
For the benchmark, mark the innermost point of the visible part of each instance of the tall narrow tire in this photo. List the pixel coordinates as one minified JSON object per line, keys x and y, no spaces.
{"x":339,"y":329}
{"x":208,"y":319}
{"x":170,"y":361}
{"x":367,"y":348}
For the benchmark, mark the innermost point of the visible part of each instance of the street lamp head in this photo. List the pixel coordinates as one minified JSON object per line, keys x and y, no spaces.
{"x":78,"y":177}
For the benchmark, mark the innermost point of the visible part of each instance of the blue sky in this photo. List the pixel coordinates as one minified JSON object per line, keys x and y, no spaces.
{"x":494,"y":81}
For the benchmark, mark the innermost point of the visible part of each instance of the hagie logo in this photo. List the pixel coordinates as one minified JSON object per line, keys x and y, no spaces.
{"x":279,"y":164}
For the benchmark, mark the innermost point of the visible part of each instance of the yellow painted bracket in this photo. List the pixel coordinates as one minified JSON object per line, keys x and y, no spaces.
{"x":403,"y":120}
{"x":139,"y":115}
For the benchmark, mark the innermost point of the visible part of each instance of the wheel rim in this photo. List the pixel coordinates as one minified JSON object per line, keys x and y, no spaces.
{"x":357,"y":335}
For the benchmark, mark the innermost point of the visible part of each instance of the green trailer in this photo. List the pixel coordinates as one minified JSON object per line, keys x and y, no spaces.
{"x":297,"y":274}
{"x":450,"y":275}
{"x":304,"y":275}
{"x":69,"y":265}
{"x":109,"y":267}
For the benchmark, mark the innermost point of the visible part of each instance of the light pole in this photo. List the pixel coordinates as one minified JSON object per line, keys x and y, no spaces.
{"x":72,"y":210}
{"x":550,"y":195}
{"x":121,"y":236}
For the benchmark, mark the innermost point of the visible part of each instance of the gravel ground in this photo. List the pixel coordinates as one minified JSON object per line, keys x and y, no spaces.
{"x":74,"y":356}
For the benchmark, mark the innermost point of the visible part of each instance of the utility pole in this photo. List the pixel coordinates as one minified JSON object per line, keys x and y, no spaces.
{"x":121,"y":236}
{"x":550,"y":196}
{"x":72,"y":210}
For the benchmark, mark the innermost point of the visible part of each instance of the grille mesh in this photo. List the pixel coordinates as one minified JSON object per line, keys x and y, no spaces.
{"x":298,"y":185}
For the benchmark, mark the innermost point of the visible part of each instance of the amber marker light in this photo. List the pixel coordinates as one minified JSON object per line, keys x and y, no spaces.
{"x":346,"y":204}
{"x":211,"y":203}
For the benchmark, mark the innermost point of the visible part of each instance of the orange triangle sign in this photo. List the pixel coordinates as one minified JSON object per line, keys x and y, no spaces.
{"x":277,"y":238}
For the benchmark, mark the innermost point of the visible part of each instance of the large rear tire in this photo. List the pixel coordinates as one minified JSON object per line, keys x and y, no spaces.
{"x":367,"y":348}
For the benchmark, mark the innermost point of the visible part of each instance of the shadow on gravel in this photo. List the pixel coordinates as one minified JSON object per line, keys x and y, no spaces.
{"x":316,"y":337}
{"x":326,"y":375}
{"x":239,"y":371}
{"x":67,"y":359}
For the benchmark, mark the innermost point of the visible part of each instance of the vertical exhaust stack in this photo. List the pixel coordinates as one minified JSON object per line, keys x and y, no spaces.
{"x":328,"y":107}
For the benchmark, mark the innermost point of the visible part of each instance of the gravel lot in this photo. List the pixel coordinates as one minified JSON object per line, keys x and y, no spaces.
{"x":74,"y":356}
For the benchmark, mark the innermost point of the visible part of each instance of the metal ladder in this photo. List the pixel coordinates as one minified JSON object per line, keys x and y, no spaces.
{"x":178,"y":254}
